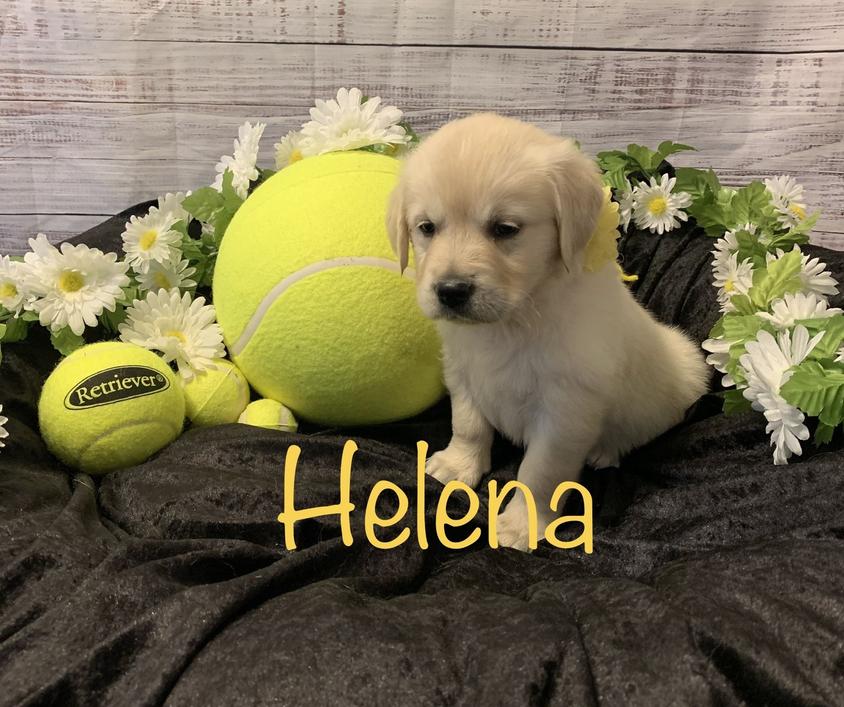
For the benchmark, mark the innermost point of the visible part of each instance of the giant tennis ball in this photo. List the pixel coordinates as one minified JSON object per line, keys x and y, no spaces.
{"x":216,"y":396}
{"x":110,"y":405}
{"x":310,"y":299}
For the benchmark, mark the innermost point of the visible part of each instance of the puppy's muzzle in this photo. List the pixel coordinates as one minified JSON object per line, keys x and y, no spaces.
{"x":454,"y":293}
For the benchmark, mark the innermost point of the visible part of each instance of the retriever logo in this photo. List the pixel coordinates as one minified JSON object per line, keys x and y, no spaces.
{"x":115,"y":384}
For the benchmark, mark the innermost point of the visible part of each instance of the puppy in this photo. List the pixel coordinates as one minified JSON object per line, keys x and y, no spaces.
{"x":558,"y":359}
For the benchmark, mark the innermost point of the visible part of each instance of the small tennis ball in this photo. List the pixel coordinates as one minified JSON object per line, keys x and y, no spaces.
{"x":216,"y":396}
{"x":270,"y":414}
{"x":312,"y":305}
{"x":110,"y":405}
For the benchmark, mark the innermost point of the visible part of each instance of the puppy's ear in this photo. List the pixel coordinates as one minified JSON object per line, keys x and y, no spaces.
{"x":397,"y":226}
{"x":578,"y":197}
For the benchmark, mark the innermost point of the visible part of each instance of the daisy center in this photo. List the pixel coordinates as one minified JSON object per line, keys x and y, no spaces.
{"x":7,"y":289}
{"x":295,"y":156}
{"x":729,"y":285}
{"x":798,"y":211}
{"x":148,"y":240}
{"x":71,"y":281}
{"x":161,"y":281}
{"x":658,"y":206}
{"x":177,"y":335}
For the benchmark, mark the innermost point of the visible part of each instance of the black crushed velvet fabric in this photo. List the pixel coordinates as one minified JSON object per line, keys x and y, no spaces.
{"x":716,"y":578}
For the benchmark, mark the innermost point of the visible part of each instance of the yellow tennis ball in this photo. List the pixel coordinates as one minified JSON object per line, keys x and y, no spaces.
{"x":310,"y":300}
{"x":110,"y":405}
{"x":270,"y":414}
{"x":216,"y":396}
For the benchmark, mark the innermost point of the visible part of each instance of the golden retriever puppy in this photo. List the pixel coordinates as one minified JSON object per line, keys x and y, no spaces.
{"x":558,"y":359}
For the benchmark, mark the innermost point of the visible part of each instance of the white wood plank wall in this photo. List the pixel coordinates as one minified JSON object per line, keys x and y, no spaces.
{"x":104,"y":103}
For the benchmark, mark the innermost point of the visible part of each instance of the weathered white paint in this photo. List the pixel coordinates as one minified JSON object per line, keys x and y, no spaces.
{"x":105,"y":103}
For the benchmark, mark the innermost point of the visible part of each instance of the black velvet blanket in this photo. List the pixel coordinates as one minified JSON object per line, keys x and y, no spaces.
{"x":716,"y":577}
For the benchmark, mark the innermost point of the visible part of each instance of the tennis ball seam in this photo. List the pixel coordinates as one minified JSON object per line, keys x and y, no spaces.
{"x":83,"y":453}
{"x":312,"y":269}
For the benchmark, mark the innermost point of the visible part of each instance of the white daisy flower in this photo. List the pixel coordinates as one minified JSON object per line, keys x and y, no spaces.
{"x":345,"y":123}
{"x":172,"y":204}
{"x":74,"y":286}
{"x":795,"y":307}
{"x":287,"y":150}
{"x":840,"y":357}
{"x":625,"y":205}
{"x":732,"y":278}
{"x":13,"y":294}
{"x":724,"y":248}
{"x":656,"y":208}
{"x":768,"y":363}
{"x":148,"y":239}
{"x":3,"y":433}
{"x":242,"y":162}
{"x":183,"y":329}
{"x":814,"y":276}
{"x":174,"y":274}
{"x":719,"y":356}
{"x":786,"y":197}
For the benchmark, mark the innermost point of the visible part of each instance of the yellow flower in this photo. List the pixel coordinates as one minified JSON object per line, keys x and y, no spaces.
{"x":602,"y":248}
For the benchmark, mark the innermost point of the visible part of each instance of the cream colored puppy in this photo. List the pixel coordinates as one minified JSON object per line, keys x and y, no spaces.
{"x":558,"y":359}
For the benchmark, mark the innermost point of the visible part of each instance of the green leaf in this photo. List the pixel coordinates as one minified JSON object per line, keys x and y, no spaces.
{"x":616,"y":159}
{"x":696,"y":181}
{"x":743,"y":305}
{"x":65,"y":341}
{"x":823,"y":434}
{"x":15,"y":329}
{"x":743,"y":327}
{"x":833,"y":338}
{"x":202,"y":203}
{"x":735,"y":402}
{"x":748,"y":203}
{"x":750,"y":247}
{"x":667,"y":148}
{"x":817,"y":391}
{"x":180,"y":227}
{"x":779,"y":277}
{"x":28,"y":316}
{"x":647,"y":159}
{"x":112,"y":320}
{"x":231,"y":199}
{"x":617,"y":180}
{"x":711,"y":213}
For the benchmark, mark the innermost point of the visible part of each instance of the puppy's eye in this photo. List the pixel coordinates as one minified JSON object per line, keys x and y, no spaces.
{"x":505,"y":229}
{"x":426,"y":228}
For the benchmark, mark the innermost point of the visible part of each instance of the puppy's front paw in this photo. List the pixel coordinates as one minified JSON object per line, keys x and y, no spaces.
{"x":453,"y":465}
{"x":513,"y":527}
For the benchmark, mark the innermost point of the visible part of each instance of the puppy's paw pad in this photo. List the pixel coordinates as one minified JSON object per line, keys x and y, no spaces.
{"x":446,"y":466}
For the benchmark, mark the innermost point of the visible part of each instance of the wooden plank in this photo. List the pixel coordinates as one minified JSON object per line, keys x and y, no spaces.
{"x":778,"y":139}
{"x":724,"y":25}
{"x":61,"y":186}
{"x":415,"y":78}
{"x":16,"y":230}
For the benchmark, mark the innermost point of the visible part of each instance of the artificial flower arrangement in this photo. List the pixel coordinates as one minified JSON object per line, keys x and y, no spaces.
{"x":779,"y":344}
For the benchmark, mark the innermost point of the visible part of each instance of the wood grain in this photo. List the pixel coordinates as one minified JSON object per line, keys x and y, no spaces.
{"x":778,"y":139}
{"x":711,"y":25}
{"x":107,"y":102}
{"x":414,"y":78}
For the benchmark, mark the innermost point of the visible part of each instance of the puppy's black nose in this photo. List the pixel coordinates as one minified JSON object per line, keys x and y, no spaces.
{"x":454,"y":293}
